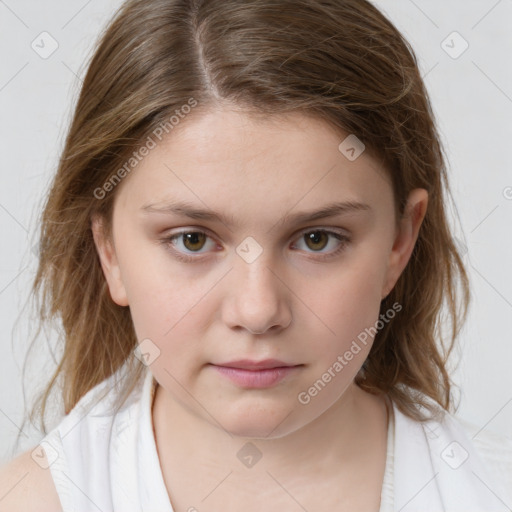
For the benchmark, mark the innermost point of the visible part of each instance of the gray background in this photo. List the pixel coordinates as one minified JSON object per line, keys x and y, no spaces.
{"x":472,"y":98}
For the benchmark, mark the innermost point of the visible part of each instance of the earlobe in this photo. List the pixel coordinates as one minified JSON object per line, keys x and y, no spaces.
{"x":109,"y":263}
{"x":406,"y":237}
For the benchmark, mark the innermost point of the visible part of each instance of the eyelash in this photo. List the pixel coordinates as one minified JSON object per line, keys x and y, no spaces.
{"x":168,"y":242}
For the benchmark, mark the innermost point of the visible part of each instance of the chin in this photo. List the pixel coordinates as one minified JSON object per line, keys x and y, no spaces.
{"x":260,"y":431}
{"x":256,"y":424}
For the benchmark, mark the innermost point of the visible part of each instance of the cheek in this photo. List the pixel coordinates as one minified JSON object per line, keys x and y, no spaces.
{"x":164,"y":308}
{"x":156,"y":295}
{"x":167,"y":317}
{"x":172,"y":309}
{"x":349,"y":303}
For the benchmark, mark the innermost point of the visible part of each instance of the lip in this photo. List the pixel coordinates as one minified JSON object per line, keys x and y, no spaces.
{"x":248,"y":364}
{"x":256,"y":375}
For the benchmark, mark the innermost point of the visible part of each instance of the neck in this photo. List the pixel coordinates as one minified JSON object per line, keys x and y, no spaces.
{"x":341,"y":437}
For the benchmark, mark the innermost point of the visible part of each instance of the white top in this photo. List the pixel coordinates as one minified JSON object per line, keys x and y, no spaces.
{"x":106,"y":462}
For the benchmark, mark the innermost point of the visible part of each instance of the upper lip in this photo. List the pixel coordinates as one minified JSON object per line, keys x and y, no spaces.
{"x":247,"y":364}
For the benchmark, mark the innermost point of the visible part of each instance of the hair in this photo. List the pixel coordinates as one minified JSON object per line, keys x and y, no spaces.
{"x":341,"y":61}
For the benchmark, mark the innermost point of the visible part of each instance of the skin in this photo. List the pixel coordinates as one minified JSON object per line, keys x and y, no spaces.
{"x":288,"y":304}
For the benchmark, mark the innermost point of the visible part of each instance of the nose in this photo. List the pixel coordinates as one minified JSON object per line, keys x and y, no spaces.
{"x":257,"y":298}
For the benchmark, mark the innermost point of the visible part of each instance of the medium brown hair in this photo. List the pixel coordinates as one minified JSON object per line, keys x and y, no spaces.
{"x":341,"y":61}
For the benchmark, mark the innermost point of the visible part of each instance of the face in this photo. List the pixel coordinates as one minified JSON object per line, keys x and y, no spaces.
{"x":255,"y":282}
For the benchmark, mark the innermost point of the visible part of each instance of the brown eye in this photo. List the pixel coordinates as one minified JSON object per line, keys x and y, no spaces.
{"x":185,"y":243}
{"x":187,"y":246}
{"x":316,"y":240}
{"x":194,"y":240}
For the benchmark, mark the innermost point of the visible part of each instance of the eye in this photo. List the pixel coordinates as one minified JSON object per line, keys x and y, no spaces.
{"x":318,"y":239}
{"x":185,"y":243}
{"x":192,"y":241}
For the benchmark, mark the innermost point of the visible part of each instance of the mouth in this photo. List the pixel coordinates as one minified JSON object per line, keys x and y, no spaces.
{"x":256,"y":374}
{"x":248,"y":364}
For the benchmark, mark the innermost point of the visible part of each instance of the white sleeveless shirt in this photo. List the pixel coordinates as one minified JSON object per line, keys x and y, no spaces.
{"x":109,"y":463}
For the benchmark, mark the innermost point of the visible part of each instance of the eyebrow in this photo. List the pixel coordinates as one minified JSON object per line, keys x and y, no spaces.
{"x":188,"y":210}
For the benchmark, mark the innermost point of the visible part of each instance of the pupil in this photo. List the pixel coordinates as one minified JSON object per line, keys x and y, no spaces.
{"x":192,"y":238}
{"x":316,"y":236}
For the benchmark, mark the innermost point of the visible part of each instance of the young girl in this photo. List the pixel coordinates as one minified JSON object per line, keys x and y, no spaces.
{"x":247,"y":246}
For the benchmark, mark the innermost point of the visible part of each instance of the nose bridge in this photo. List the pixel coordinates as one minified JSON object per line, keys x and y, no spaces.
{"x":258,"y":300}
{"x":255,"y":278}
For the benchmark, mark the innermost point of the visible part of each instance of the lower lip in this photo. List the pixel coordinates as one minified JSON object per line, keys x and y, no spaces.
{"x":256,"y":378}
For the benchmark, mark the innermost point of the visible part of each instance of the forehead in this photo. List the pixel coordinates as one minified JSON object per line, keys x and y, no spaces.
{"x":250,"y":164}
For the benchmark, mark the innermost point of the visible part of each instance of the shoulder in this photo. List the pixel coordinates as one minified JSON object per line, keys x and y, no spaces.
{"x":495,"y":449}
{"x":78,"y":445}
{"x":26,"y":485}
{"x":486,"y":452}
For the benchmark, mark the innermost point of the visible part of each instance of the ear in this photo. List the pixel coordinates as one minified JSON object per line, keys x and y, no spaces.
{"x":405,"y":238}
{"x":109,"y":264}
